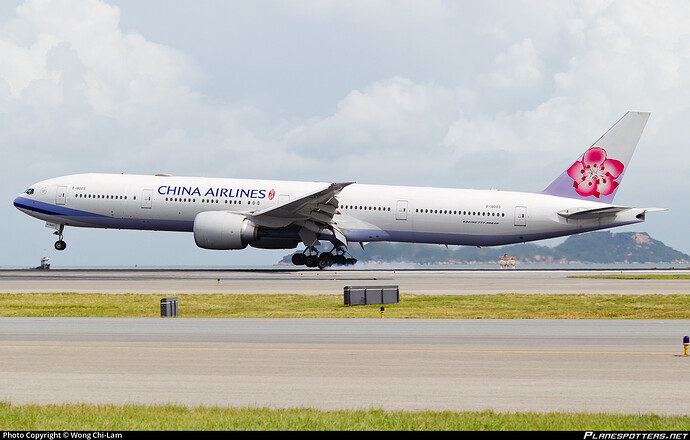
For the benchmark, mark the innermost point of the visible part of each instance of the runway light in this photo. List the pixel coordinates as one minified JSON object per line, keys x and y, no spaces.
{"x":382,"y":310}
{"x":686,"y":342}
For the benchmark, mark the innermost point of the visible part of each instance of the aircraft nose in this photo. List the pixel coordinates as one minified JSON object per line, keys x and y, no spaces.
{"x":18,"y":201}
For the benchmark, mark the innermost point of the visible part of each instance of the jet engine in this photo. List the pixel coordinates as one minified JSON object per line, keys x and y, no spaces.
{"x":224,"y":230}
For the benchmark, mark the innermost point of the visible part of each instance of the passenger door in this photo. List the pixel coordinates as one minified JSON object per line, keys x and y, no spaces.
{"x":61,"y":197}
{"x":401,"y":210}
{"x":520,"y":216}
{"x":146,"y":197}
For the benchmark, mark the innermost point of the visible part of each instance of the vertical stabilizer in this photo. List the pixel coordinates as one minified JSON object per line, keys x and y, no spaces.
{"x":597,"y":174}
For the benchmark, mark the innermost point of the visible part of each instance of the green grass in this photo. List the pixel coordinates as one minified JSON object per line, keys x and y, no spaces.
{"x":81,"y":417}
{"x":503,"y":306}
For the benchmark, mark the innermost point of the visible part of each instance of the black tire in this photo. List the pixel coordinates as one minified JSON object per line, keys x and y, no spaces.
{"x":311,"y":261}
{"x":327,"y":256}
{"x":323,"y":263}
{"x":60,"y":245}
{"x":298,"y":259}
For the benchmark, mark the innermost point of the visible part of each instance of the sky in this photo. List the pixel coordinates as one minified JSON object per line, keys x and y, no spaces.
{"x":493,"y":94}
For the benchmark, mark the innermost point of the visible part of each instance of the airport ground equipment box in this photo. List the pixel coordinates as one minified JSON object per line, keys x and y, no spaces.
{"x":363,"y":295}
{"x":169,"y":307}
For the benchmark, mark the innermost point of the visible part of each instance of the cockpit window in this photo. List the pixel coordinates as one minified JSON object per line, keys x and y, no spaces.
{"x":29,"y":191}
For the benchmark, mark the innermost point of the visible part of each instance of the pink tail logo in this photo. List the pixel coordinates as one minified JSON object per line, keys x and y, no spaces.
{"x":595,"y":175}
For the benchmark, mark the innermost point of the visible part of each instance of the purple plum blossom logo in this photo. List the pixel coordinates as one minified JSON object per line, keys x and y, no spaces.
{"x":595,"y":175}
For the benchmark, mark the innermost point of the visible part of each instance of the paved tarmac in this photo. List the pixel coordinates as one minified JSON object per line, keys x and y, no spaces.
{"x":617,"y":366}
{"x":332,"y":282}
{"x":505,"y":365}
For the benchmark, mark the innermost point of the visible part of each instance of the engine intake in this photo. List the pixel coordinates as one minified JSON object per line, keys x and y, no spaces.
{"x":224,"y":230}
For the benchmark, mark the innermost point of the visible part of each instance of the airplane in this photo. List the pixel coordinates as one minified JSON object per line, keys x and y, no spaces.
{"x":225,"y":214}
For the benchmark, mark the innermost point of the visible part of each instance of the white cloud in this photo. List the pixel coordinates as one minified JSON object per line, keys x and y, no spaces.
{"x":518,"y":67}
{"x":393,"y":116}
{"x":121,"y":76}
{"x":442,"y":93}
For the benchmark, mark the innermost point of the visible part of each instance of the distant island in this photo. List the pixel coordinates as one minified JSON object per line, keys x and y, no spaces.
{"x":594,"y":247}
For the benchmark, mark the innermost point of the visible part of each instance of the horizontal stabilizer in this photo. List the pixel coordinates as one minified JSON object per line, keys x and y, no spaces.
{"x":577,"y":213}
{"x":588,"y":213}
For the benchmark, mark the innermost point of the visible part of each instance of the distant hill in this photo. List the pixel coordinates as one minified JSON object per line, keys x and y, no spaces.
{"x":593,"y":247}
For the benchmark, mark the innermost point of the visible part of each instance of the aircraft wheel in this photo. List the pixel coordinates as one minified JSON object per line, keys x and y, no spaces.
{"x":323,"y":263}
{"x":60,"y":245}
{"x":311,"y":261}
{"x":327,"y":256}
{"x":298,"y":259}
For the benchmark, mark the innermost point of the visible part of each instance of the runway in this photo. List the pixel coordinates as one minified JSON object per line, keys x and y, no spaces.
{"x":616,"y":366}
{"x":332,"y":282}
{"x":504,"y":365}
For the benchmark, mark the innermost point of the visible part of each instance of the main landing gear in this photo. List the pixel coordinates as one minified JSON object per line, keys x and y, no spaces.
{"x":60,"y":245}
{"x":312,"y":258}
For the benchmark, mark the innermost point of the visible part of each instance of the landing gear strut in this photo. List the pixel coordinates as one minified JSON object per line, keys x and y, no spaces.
{"x":60,"y":245}
{"x":312,"y":258}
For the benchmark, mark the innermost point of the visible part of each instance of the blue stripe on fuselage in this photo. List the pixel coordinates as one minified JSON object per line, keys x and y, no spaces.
{"x":64,"y":215}
{"x":50,"y":209}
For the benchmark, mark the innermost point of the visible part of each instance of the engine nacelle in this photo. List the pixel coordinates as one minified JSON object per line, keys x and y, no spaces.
{"x":223,"y":230}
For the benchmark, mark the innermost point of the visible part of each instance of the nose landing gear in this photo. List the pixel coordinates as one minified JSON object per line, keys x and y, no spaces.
{"x":60,"y":245}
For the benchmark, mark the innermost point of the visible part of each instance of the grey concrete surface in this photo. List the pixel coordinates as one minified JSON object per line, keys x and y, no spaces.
{"x":629,"y":366}
{"x":504,"y":365}
{"x":332,"y":282}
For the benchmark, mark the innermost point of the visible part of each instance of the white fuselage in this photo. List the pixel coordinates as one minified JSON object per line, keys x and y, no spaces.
{"x":365,"y":213}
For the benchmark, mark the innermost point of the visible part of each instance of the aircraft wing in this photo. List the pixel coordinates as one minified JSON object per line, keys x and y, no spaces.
{"x":312,"y":213}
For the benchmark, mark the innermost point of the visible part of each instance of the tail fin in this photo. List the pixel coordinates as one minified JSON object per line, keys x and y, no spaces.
{"x":597,"y":174}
